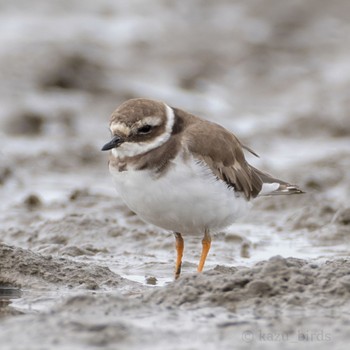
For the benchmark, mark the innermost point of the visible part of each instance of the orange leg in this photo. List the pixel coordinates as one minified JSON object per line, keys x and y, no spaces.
{"x":179,"y":245}
{"x":206,"y":243}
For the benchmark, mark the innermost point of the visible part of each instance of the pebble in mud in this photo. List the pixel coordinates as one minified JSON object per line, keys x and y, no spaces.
{"x":32,"y":201}
{"x":245,"y":249}
{"x":151,"y":280}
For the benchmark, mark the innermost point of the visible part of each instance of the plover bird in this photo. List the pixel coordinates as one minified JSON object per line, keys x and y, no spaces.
{"x":183,"y":173}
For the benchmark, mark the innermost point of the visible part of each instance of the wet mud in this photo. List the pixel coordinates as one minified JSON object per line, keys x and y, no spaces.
{"x":78,"y":269}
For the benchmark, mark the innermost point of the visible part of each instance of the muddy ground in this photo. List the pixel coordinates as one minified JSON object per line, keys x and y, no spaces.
{"x":78,"y":270}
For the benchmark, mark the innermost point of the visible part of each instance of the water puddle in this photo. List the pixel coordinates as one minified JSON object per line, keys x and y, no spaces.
{"x":151,"y":281}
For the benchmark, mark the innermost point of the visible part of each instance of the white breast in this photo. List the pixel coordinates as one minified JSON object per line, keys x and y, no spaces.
{"x":187,"y":199}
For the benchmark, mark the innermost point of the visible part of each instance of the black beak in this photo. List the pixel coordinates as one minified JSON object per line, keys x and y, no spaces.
{"x":115,"y":142}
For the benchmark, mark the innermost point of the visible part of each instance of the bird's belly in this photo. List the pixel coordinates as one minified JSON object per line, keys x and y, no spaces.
{"x":188,"y":198}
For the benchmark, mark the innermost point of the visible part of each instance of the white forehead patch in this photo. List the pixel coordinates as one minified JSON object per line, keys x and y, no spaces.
{"x":120,"y":129}
{"x":131,"y":149}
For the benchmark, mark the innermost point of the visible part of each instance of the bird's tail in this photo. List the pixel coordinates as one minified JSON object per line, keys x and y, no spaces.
{"x":272,"y":186}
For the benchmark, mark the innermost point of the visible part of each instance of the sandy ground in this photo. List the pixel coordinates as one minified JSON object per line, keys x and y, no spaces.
{"x":78,"y":270}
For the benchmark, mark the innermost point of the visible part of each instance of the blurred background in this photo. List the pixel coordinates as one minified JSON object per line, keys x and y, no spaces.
{"x":275,"y":73}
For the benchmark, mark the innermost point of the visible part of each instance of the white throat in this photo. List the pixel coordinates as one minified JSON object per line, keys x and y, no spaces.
{"x":131,"y":149}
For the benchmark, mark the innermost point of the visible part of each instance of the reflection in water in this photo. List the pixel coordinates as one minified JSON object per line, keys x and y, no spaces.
{"x":7,"y":293}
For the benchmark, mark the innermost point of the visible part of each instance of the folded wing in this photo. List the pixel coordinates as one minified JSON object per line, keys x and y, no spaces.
{"x":223,"y":153}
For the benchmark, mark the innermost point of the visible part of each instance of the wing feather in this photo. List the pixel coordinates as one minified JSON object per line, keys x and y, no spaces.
{"x":223,"y":153}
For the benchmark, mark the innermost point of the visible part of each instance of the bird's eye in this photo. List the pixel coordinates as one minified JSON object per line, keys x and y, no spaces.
{"x":144,"y":129}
